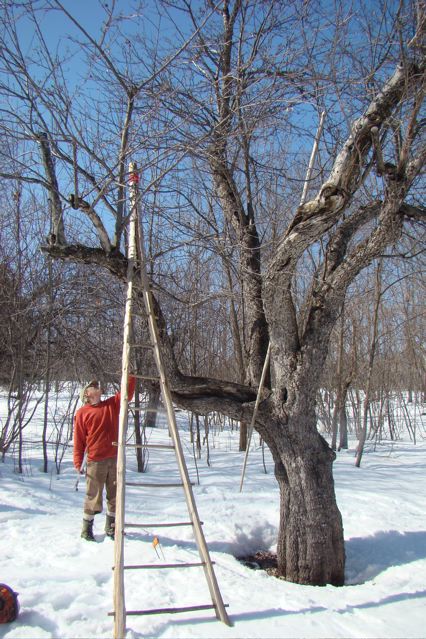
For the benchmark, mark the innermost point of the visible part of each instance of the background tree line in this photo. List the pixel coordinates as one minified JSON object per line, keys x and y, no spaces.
{"x":62,"y":322}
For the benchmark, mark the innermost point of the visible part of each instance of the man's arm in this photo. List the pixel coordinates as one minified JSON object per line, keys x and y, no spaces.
{"x":130,"y":391}
{"x":80,"y":435}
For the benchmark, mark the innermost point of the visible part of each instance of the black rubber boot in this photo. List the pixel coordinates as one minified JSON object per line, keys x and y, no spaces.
{"x":110,"y":526}
{"x":87,"y":532}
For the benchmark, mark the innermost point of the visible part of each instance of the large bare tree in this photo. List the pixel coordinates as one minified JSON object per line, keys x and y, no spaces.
{"x":230,"y":94}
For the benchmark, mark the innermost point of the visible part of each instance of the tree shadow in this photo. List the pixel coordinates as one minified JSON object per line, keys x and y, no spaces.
{"x":366,"y":557}
{"x":402,"y":596}
{"x":249,"y":615}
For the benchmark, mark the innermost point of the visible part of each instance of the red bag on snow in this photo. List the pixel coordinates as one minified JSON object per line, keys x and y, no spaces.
{"x":9,"y":606}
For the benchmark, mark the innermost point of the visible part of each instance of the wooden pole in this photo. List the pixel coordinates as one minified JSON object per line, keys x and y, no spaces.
{"x":312,"y":159}
{"x":256,"y":406}
{"x":119,"y":596}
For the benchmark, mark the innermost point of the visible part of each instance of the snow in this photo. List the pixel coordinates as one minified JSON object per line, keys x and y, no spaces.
{"x":65,"y":584}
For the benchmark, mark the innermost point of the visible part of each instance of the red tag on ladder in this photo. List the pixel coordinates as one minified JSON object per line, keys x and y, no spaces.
{"x":134,"y":178}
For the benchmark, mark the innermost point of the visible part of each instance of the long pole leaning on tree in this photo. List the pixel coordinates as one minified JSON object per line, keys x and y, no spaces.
{"x":312,"y":159}
{"x":256,"y":406}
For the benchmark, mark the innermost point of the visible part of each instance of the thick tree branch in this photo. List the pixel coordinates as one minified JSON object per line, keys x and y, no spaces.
{"x":87,"y":208}
{"x":197,"y":393}
{"x":317,"y":216}
{"x":56,"y":213}
{"x":115,"y":262}
{"x":316,"y":300}
{"x":329,"y":292}
{"x":417,"y":213}
{"x":338,"y":244}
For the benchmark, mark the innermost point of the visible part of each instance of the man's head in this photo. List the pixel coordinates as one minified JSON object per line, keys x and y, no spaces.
{"x":91,"y":393}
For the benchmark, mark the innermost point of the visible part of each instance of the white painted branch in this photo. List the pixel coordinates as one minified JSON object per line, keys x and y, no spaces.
{"x":347,"y":164}
{"x":312,"y":158}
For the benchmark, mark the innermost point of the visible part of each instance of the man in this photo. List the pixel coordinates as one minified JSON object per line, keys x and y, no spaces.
{"x":95,"y":430}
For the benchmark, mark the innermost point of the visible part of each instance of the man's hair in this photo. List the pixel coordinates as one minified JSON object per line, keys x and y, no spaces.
{"x":94,"y":383}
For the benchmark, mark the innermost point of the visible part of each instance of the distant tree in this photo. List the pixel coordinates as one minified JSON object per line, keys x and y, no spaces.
{"x":371,"y":357}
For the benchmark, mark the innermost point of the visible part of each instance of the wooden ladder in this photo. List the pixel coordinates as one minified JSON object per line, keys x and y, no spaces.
{"x":137,"y":258}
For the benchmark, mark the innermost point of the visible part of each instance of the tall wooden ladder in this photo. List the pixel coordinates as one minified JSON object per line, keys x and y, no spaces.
{"x":137,"y":263}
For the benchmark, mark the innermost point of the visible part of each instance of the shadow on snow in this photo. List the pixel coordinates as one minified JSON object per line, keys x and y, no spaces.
{"x":366,"y":557}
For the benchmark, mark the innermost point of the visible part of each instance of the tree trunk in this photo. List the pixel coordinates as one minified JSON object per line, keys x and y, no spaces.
{"x":152,"y":406}
{"x":335,"y":422}
{"x":343,"y":420}
{"x":310,"y":548}
{"x":339,"y":384}
{"x":243,"y":435}
{"x":46,"y":399}
{"x":48,"y":365}
{"x":140,"y":456}
{"x":372,"y":353}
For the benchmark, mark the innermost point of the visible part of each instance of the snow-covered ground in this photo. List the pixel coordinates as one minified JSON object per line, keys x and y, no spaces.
{"x":65,"y":584}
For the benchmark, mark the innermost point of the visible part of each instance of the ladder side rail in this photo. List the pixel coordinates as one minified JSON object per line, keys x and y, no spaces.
{"x":167,"y":399}
{"x":119,"y":595}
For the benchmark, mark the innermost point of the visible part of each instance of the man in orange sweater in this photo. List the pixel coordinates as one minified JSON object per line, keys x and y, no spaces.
{"x":95,"y":430}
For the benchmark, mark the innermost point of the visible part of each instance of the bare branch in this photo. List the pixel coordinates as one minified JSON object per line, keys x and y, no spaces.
{"x":417,"y":213}
{"x":100,"y":49}
{"x":96,"y":221}
{"x":122,"y":165}
{"x":411,"y":131}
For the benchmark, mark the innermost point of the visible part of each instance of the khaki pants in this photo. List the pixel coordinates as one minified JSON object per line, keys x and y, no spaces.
{"x":100,"y":475}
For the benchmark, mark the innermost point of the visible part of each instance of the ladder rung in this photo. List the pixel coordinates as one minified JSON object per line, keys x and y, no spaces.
{"x":157,"y":566}
{"x":157,"y":611}
{"x":145,"y":315}
{"x":166,"y":446}
{"x":152,"y":378}
{"x":152,"y":485}
{"x":142,"y":345}
{"x":139,"y":409}
{"x":172,"y":524}
{"x":162,"y":446}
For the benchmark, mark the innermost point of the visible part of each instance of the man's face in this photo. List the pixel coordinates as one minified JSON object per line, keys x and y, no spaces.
{"x":93,"y":394}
